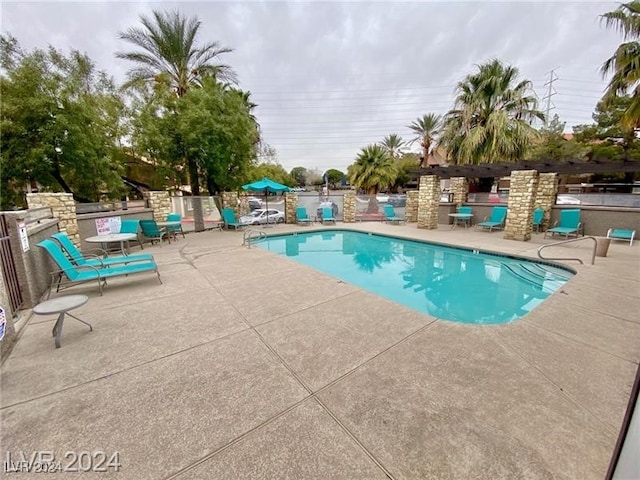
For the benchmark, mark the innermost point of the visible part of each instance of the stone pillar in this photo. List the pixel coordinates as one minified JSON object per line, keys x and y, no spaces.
{"x":243,"y":204}
{"x":459,"y":187}
{"x":63,"y":207}
{"x":290,"y":205}
{"x":428,"y":202}
{"x":522,"y":194}
{"x":230,"y":200}
{"x":160,"y":203}
{"x":546,"y":195}
{"x":349,"y":209}
{"x":411,"y":209}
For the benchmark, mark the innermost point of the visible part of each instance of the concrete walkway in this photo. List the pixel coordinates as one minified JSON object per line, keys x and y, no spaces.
{"x":245,"y":364}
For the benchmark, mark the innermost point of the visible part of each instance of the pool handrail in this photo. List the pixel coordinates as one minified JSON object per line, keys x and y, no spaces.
{"x":593,"y":254}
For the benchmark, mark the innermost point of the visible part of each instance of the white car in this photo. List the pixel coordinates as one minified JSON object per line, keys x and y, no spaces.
{"x":261,"y":215}
{"x":567,"y":200}
{"x":382,"y":197}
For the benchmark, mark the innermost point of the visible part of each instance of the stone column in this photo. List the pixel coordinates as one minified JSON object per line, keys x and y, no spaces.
{"x":522,"y":194}
{"x":459,"y":187}
{"x":349,"y":209}
{"x":411,"y":209}
{"x":290,"y":205}
{"x":63,"y":207}
{"x":230,"y":200}
{"x":546,"y":195}
{"x":428,"y":202}
{"x":243,"y":204}
{"x":160,"y":203}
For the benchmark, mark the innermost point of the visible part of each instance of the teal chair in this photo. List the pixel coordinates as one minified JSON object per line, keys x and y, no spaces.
{"x":569,"y":224}
{"x":175,"y":229}
{"x":496,"y":220}
{"x":80,"y":259}
{"x":302,"y":217}
{"x":131,"y":226}
{"x":78,"y":274}
{"x":390,"y":215}
{"x":229,"y":217}
{"x":154,"y":233}
{"x":464,"y":221}
{"x":538,"y":219}
{"x":621,"y":234}
{"x":327,"y":215}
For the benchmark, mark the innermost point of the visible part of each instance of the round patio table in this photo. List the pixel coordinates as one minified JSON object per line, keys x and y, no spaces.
{"x":112,"y":238}
{"x":61,"y":306}
{"x":465,"y":217}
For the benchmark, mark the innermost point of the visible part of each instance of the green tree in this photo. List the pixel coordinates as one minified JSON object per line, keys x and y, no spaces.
{"x":552,"y":144}
{"x":274,"y":171}
{"x":335,"y":177}
{"x":405,"y":165}
{"x":492,"y":118}
{"x":426,"y":130}
{"x":393,"y":145}
{"x":624,"y":65}
{"x":61,"y":120}
{"x":299,"y":175}
{"x":372,"y":171}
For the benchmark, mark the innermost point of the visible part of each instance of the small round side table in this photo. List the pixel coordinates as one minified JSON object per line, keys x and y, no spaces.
{"x":61,"y":306}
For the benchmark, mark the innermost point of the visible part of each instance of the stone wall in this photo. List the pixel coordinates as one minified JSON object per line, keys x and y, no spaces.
{"x":160,"y":203}
{"x":290,"y":205}
{"x":428,"y":202}
{"x":243,"y":204}
{"x":349,"y":209}
{"x":63,"y":207}
{"x":230,"y":200}
{"x":522,"y":195}
{"x":546,"y":196}
{"x":459,"y":188}
{"x":411,"y":209}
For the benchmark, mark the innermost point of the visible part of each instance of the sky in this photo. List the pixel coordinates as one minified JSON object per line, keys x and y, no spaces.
{"x":332,"y":77}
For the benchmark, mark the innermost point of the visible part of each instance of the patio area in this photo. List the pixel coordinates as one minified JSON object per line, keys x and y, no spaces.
{"x":244,"y":364}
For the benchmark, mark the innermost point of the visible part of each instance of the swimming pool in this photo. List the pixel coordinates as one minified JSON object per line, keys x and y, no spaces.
{"x":449,"y":283}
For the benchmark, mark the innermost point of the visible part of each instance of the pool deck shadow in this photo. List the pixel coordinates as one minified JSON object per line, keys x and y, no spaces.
{"x":244,"y":364}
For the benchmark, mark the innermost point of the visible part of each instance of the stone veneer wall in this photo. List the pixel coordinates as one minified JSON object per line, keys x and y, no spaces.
{"x":459,"y":187}
{"x":546,"y":195}
{"x":290,"y":205}
{"x":349,"y":208}
{"x":63,"y":207}
{"x":230,"y":200}
{"x":411,"y":209}
{"x":160,"y":203}
{"x":243,"y":204}
{"x":428,"y":202}
{"x":522,"y":194}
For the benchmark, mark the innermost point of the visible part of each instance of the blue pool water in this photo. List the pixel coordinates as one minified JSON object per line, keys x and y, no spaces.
{"x":445,"y":282}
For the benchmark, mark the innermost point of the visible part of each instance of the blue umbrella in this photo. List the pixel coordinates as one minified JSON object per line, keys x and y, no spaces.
{"x":267,"y":186}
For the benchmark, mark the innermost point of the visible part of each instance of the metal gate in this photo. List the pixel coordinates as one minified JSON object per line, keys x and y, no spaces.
{"x":9,"y":267}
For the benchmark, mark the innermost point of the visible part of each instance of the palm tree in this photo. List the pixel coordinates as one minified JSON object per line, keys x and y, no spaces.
{"x":492,"y":117}
{"x":625,"y":62}
{"x":373,"y":170}
{"x":168,"y":52}
{"x":426,"y":130}
{"x":393,"y":145}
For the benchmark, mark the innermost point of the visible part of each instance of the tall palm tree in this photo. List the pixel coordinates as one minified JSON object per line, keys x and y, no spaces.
{"x":492,"y":117}
{"x":393,"y":145}
{"x":373,"y":170}
{"x":625,"y":62}
{"x":168,"y":51}
{"x":426,"y":130}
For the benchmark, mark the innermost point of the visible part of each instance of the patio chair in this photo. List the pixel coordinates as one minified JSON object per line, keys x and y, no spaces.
{"x":302,"y":217}
{"x":621,"y":234}
{"x":175,"y":229}
{"x":390,"y":215}
{"x":80,"y":259}
{"x":229,"y":217}
{"x":538,"y":219}
{"x":496,"y":220}
{"x":153,"y":232}
{"x":131,"y":226}
{"x":327,"y":215}
{"x":464,"y":221}
{"x":569,"y":224}
{"x":78,"y":274}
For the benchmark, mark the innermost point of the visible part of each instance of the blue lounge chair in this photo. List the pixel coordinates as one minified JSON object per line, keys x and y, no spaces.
{"x":538,"y":219}
{"x":153,"y":232}
{"x":131,"y":226}
{"x":175,"y":229}
{"x":496,"y":220}
{"x":77,"y":274}
{"x":229,"y":217}
{"x":622,"y":234}
{"x":327,"y":215}
{"x":302,"y":217}
{"x":390,"y":215}
{"x":569,"y":224}
{"x":80,"y":259}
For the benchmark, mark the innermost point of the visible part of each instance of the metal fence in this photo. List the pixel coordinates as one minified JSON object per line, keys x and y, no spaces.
{"x":9,"y":271}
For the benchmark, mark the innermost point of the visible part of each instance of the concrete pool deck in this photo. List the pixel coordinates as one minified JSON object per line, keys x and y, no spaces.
{"x":245,"y":364}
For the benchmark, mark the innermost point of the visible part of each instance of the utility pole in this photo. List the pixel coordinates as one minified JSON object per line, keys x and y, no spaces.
{"x":550,"y":93}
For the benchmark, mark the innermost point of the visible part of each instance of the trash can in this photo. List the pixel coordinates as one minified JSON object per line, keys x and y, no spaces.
{"x":602,"y":246}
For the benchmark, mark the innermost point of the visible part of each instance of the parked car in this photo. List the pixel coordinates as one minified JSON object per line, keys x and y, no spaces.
{"x":261,"y":216}
{"x":399,"y":200}
{"x":254,"y":203}
{"x":332,"y":205}
{"x":382,"y":197}
{"x":567,"y":200}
